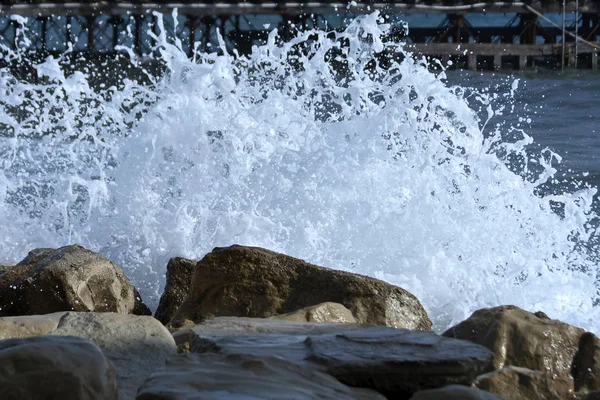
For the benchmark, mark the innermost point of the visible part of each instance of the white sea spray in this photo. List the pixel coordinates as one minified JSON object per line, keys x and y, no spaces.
{"x":311,"y":148}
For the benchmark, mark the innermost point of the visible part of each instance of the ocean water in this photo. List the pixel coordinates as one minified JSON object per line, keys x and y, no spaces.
{"x":469,"y":190}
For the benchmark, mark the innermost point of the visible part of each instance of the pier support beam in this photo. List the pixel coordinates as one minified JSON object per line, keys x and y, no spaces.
{"x":472,"y":62}
{"x":595,"y":59}
{"x":497,"y":62}
{"x":522,"y":62}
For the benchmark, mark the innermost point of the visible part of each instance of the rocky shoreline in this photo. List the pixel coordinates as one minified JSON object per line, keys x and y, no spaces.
{"x":249,"y":323}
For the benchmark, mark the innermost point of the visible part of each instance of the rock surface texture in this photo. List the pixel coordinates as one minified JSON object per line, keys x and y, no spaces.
{"x":70,"y":278}
{"x":55,"y":368}
{"x":29,"y":325}
{"x":520,"y":338}
{"x":254,"y":282}
{"x":179,"y":278}
{"x":137,"y":345}
{"x":217,"y":377}
{"x":516,"y":383}
{"x":324,"y":312}
{"x":394,"y":362}
{"x":454,"y":392}
{"x":586,"y":365}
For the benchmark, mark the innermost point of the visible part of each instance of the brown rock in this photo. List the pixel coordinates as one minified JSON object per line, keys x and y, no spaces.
{"x":215,"y":377}
{"x":516,"y":383}
{"x":454,"y":392}
{"x":70,"y":278}
{"x":254,"y":282}
{"x":324,"y":312}
{"x":179,"y":278}
{"x":55,"y":368}
{"x":520,"y":338}
{"x":586,"y":364}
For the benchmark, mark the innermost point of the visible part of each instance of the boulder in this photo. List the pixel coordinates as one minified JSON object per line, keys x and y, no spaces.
{"x":254,"y":282}
{"x":70,"y":278}
{"x":55,"y":368}
{"x":454,"y":392}
{"x":179,"y":278}
{"x":215,"y":377}
{"x":137,"y":345}
{"x":516,"y":383}
{"x":586,"y":364}
{"x":324,"y":312}
{"x":522,"y":339}
{"x":395,"y":362}
{"x":29,"y":325}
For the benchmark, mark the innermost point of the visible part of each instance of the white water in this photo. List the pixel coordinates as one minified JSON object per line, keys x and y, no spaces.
{"x":387,"y":173}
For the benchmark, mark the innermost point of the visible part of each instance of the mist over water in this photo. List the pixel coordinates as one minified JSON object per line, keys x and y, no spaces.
{"x":322,"y":148}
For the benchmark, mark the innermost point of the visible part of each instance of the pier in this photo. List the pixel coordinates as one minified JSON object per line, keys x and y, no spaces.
{"x":529,"y":39}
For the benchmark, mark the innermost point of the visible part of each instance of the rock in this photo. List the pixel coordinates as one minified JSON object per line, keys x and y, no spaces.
{"x":4,"y":266}
{"x":324,"y":312}
{"x":215,"y":377}
{"x":454,"y":392}
{"x":516,"y":383}
{"x":28,"y":325}
{"x":55,"y":368}
{"x":520,"y":338}
{"x":595,"y":395}
{"x":179,"y":278}
{"x":254,"y":282}
{"x":137,"y":345}
{"x":70,"y":278}
{"x":586,"y":364}
{"x":395,"y":362}
{"x":237,"y":326}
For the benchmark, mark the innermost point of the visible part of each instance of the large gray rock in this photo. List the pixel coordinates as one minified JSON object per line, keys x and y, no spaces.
{"x":454,"y":392}
{"x":215,"y":377}
{"x":29,"y":325}
{"x":239,"y":326}
{"x":137,"y":345}
{"x":55,"y":368}
{"x":179,"y":279}
{"x":254,"y":282}
{"x":520,"y":338}
{"x":70,"y":278}
{"x":394,"y":362}
{"x":516,"y":383}
{"x":324,"y":312}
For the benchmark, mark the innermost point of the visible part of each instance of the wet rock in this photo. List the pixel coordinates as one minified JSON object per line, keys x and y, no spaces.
{"x":586,"y":364}
{"x":454,"y":392}
{"x":215,"y":376}
{"x":70,"y":278}
{"x":55,"y":368}
{"x":29,"y":325}
{"x":394,"y":362}
{"x":137,"y":345}
{"x":324,"y":312}
{"x":179,"y":278}
{"x":516,"y":383}
{"x":254,"y":282}
{"x":520,"y":338}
